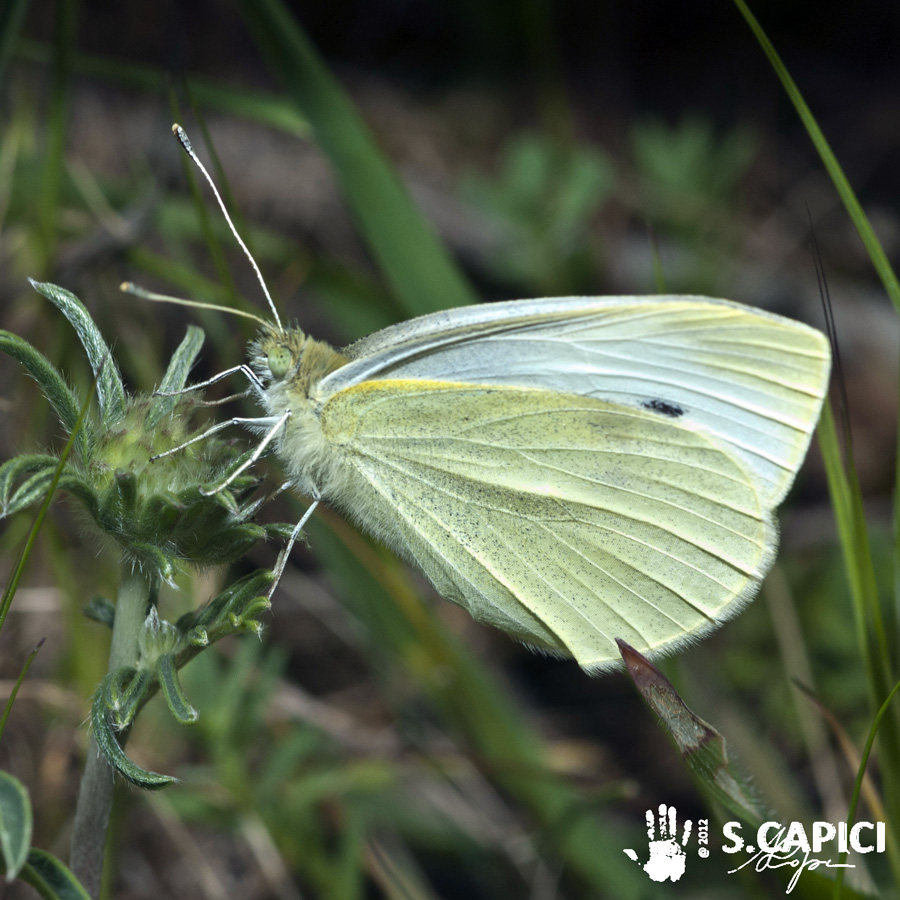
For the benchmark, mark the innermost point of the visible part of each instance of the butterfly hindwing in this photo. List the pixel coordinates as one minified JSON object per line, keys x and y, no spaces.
{"x":564,"y":520}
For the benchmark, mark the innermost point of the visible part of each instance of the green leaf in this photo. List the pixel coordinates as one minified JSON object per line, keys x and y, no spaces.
{"x":123,"y":693}
{"x":29,"y":491}
{"x":127,"y":487}
{"x":51,"y":879}
{"x":171,"y":688}
{"x":61,"y":396}
{"x":115,"y":755}
{"x":155,"y":559}
{"x":176,"y":374}
{"x":233,"y":610}
{"x":236,"y":541}
{"x":421,"y":273}
{"x":15,"y":824}
{"x":161,"y":514}
{"x":40,"y":464}
{"x":110,"y":390}
{"x":232,"y":601}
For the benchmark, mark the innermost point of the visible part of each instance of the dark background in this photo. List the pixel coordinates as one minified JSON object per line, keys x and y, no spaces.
{"x":446,"y":88}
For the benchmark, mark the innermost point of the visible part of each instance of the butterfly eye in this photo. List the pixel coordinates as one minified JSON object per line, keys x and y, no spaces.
{"x":279,"y":361}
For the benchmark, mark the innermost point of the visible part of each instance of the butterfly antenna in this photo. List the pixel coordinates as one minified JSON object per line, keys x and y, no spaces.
{"x":127,"y":287}
{"x":185,"y":142}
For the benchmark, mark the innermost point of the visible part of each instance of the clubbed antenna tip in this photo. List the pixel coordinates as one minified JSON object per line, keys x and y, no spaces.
{"x":185,"y":142}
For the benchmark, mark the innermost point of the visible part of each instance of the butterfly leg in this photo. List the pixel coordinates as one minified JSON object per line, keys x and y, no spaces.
{"x":283,"y":556}
{"x":276,"y":424}
{"x":245,"y":370}
{"x":263,"y":420}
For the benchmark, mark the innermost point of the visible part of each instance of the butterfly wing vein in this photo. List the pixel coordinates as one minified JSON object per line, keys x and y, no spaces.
{"x":564,"y":520}
{"x":753,"y":380}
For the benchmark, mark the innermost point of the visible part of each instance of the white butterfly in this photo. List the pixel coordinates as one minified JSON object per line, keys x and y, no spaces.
{"x":571,"y":470}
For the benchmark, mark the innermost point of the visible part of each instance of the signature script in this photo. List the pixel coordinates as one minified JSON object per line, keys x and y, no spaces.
{"x":799,"y":859}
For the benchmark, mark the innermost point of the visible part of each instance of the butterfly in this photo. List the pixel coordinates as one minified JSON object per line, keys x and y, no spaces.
{"x":570,"y":470}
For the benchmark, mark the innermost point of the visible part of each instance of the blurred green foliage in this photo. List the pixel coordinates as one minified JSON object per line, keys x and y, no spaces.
{"x":543,"y":201}
{"x":414,"y":766}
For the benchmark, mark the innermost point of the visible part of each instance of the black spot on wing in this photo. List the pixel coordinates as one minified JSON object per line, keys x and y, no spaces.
{"x":664,"y":408}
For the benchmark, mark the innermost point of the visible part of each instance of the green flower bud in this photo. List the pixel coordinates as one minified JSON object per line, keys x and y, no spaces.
{"x":151,"y":505}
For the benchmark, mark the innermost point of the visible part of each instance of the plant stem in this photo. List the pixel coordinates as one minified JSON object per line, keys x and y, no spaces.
{"x":95,"y":795}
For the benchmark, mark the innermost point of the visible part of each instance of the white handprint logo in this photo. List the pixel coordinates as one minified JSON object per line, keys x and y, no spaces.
{"x":667,"y":858}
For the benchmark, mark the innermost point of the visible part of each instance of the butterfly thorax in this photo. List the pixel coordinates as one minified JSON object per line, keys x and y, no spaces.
{"x":292,"y":365}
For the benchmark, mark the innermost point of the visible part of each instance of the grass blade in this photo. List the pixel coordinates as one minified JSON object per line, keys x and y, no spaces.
{"x":421,"y":273}
{"x":846,"y":193}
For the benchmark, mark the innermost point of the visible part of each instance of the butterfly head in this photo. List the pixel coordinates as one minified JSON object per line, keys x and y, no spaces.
{"x":276,"y":352}
{"x":290,"y":356}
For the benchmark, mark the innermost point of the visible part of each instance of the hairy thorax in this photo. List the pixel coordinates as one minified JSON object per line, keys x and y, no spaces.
{"x":293,"y":366}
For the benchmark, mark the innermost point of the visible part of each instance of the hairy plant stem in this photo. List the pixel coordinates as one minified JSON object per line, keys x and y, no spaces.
{"x":95,"y":795}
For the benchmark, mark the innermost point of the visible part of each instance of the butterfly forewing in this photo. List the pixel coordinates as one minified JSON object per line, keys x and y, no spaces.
{"x":565,"y":520}
{"x":753,"y":380}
